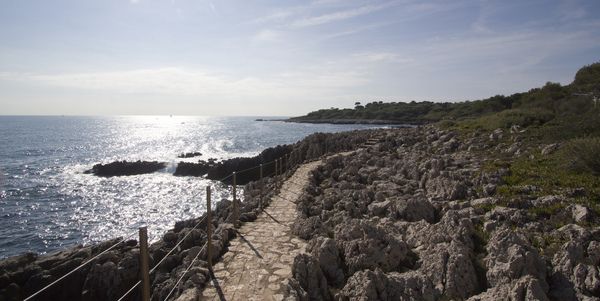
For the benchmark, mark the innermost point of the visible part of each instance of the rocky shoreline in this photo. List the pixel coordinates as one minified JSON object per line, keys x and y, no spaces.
{"x":351,"y":121}
{"x":109,"y":276}
{"x":311,"y":147}
{"x":418,"y":218}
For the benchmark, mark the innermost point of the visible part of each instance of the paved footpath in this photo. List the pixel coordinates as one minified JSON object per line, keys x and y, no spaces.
{"x":261,"y":257}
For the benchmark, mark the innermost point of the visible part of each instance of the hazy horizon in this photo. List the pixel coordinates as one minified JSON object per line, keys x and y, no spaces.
{"x":274,"y":58}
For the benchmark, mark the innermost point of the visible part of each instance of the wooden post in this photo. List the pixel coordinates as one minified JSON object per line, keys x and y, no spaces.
{"x":280,"y":166}
{"x":275,"y":167}
{"x":261,"y":187}
{"x":208,"y":229}
{"x":144,"y":273}
{"x":261,"y":172}
{"x":236,"y":208}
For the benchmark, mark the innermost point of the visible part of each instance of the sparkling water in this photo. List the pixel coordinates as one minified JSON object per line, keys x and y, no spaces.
{"x":47,"y":202}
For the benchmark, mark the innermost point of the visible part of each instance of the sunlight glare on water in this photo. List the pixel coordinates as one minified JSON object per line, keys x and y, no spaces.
{"x":48,"y":202}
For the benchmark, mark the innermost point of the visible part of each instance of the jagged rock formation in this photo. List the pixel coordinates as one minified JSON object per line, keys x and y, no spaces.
{"x":124,"y":168}
{"x":189,"y":155}
{"x":310,"y":148}
{"x":416,"y":218}
{"x":112,"y":274}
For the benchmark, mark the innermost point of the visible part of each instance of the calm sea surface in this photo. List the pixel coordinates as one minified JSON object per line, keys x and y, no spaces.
{"x":48,"y":203}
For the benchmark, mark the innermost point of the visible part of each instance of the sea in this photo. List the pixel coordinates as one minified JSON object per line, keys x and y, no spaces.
{"x":48,"y":202}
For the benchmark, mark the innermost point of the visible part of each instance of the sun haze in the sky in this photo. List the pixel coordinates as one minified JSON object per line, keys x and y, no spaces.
{"x":281,"y":57}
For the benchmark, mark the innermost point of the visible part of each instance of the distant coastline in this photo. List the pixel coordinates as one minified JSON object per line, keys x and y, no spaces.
{"x":353,"y":121}
{"x":344,"y":121}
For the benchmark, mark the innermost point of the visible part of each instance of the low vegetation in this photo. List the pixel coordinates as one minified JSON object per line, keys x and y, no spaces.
{"x":568,"y":116}
{"x":536,"y":107}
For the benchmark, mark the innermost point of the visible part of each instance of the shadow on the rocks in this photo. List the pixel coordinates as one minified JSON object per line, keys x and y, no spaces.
{"x":269,"y":215}
{"x":217,"y":286}
{"x":285,"y":199}
{"x":250,"y":245}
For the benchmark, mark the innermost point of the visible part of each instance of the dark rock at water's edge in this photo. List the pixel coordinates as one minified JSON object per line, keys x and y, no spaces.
{"x":352,"y":121}
{"x":193,"y":169}
{"x":124,"y":168}
{"x":189,"y":155}
{"x":223,"y":169}
{"x":309,"y":148}
{"x":113,"y":273}
{"x":247,"y":169}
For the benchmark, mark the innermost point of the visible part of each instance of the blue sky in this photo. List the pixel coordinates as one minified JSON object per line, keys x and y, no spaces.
{"x":278,"y":57}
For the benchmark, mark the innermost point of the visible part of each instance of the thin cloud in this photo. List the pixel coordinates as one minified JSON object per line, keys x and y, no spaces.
{"x":213,"y":8}
{"x":267,"y":35}
{"x":571,"y":10}
{"x":382,"y":57}
{"x":179,"y":81}
{"x":341,"y":15}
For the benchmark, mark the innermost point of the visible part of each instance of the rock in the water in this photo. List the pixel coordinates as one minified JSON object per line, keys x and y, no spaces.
{"x":189,"y":155}
{"x":124,"y":168}
{"x":193,"y":169}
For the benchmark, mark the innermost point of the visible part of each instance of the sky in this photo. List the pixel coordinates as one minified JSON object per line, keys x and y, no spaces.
{"x":281,"y":58}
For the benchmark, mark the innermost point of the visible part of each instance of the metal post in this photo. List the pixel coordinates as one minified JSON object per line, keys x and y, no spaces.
{"x":208,"y":229}
{"x":236,"y":208}
{"x":144,"y":274}
{"x":275,"y":167}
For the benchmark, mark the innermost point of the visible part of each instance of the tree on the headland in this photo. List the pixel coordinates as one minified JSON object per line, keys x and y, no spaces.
{"x":534,"y":107}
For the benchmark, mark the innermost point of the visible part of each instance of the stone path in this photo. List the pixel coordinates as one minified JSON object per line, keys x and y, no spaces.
{"x":261,"y":257}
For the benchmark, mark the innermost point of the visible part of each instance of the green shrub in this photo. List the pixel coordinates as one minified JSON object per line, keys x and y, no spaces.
{"x":586,"y":153}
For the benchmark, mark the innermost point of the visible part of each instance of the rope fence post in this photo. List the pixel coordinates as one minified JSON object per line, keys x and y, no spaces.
{"x":261,"y":187}
{"x":236,"y":208}
{"x":280,"y":165}
{"x":287,"y":162}
{"x":144,"y":273}
{"x":208,"y":229}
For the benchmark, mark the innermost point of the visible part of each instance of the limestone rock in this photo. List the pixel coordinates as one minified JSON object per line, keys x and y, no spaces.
{"x":327,"y":254}
{"x":377,"y":285}
{"x":510,"y":257}
{"x":414,"y":209}
{"x":307,"y":272}
{"x":364,"y":246}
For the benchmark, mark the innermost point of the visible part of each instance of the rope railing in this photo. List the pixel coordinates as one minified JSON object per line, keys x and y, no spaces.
{"x":164,"y":258}
{"x":185,"y":272}
{"x":176,"y":246}
{"x":79,"y":267}
{"x":248,"y":169}
{"x":282,"y":165}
